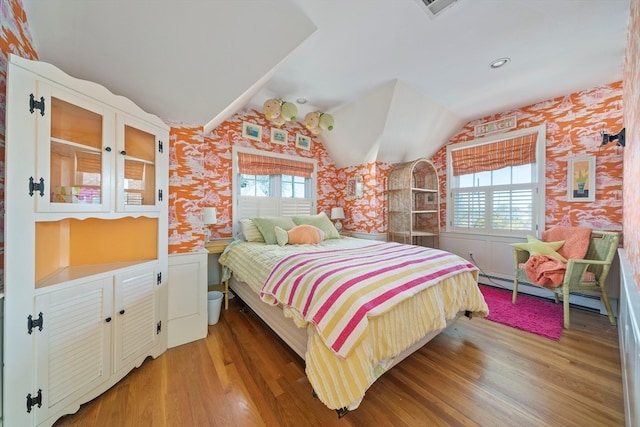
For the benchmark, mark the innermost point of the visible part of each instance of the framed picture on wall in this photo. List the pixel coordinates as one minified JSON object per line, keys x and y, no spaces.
{"x":581,"y":179}
{"x":251,"y":131}
{"x":303,"y":141}
{"x":279,"y":136}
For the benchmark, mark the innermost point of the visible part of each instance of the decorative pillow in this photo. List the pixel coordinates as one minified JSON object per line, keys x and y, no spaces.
{"x":250,"y":232}
{"x":267,"y":225}
{"x":321,"y":221}
{"x":537,"y":247}
{"x":299,"y":235}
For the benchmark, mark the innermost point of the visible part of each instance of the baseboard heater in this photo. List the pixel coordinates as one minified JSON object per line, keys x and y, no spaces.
{"x":581,"y":300}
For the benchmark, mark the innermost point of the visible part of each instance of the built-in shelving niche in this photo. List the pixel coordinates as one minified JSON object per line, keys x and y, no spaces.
{"x":71,"y":249}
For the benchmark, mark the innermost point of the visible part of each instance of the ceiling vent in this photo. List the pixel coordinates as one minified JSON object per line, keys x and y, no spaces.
{"x":436,"y":7}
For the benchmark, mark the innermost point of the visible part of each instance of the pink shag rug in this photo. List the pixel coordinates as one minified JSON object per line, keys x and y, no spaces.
{"x":531,"y":314}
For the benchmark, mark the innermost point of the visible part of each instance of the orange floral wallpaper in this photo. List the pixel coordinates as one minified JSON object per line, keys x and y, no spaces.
{"x":573,"y":124}
{"x":369,"y":213}
{"x":200,"y":169}
{"x":631,"y":196}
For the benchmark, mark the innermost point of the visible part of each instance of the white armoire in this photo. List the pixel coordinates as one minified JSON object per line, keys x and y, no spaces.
{"x":86,"y":194}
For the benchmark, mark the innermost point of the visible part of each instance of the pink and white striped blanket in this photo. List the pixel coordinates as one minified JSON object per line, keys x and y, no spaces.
{"x":338,"y":290}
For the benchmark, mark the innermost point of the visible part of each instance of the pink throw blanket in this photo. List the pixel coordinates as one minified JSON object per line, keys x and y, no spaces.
{"x":547,"y":271}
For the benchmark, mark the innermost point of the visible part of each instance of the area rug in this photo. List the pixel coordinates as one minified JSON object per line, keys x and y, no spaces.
{"x":531,"y":314}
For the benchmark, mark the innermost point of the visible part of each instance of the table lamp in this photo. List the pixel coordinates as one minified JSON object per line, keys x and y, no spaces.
{"x":209,"y":218}
{"x":337,"y":214}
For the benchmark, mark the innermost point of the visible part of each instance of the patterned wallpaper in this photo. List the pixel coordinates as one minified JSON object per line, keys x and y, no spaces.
{"x":631,"y":197}
{"x":200,"y":175}
{"x":201,"y":164}
{"x":573,"y":124}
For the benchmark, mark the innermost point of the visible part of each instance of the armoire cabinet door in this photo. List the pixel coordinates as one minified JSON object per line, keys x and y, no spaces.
{"x":76,"y":140}
{"x":73,"y":349}
{"x":135,"y":312}
{"x":141,"y":186}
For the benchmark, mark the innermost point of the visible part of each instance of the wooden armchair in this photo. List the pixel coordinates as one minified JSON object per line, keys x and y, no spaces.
{"x":602,"y":249}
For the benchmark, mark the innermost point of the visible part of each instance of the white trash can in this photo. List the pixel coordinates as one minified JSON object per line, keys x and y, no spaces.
{"x":214,"y":301}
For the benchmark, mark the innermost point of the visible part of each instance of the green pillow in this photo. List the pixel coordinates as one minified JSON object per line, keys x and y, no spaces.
{"x":538,"y":247}
{"x":267,"y":226}
{"x":321,"y":221}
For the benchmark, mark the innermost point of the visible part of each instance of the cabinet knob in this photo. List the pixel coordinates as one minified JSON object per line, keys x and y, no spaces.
{"x":108,"y":319}
{"x":122,"y":311}
{"x":108,"y":149}
{"x":124,"y":153}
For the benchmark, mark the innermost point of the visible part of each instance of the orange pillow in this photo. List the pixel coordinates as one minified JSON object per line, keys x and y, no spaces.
{"x":299,"y":235}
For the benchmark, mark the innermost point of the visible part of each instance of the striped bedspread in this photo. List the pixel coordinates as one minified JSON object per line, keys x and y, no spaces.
{"x":338,"y":290}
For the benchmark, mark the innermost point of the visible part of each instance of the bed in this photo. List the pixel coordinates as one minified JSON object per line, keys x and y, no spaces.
{"x":349,"y":336}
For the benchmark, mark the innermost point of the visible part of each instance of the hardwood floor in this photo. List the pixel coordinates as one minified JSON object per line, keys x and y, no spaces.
{"x":476,"y":373}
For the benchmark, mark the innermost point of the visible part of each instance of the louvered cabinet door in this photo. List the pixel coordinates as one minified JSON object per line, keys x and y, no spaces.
{"x":135,"y":311}
{"x":73,"y":348}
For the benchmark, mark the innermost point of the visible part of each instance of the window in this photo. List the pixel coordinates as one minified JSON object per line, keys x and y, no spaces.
{"x":493,"y":184}
{"x":290,"y":186}
{"x":255,"y":185}
{"x":269,"y":184}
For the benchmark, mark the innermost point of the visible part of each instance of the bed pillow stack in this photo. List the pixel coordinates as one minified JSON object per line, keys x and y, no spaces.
{"x":321,"y":221}
{"x":267,"y":225}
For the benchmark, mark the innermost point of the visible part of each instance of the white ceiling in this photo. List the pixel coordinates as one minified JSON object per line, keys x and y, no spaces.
{"x":398,"y":81}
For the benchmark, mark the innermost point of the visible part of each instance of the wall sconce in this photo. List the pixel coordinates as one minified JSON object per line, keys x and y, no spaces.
{"x":337,"y":214}
{"x":619,"y":137}
{"x":209,"y":218}
{"x":278,"y":111}
{"x":316,"y":122}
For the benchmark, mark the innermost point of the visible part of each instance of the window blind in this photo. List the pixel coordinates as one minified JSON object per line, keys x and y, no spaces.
{"x":253,"y":164}
{"x":496,"y":155}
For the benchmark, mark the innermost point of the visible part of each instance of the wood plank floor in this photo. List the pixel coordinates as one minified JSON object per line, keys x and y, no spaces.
{"x":476,"y":373}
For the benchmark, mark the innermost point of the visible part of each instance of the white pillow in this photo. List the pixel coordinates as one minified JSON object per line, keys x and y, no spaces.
{"x":250,"y":232}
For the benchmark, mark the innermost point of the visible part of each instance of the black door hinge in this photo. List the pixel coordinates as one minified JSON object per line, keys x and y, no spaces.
{"x":159,"y":328}
{"x":160,"y":146}
{"x":36,"y":105}
{"x":159,"y":278}
{"x":32,"y":401}
{"x":159,"y":195}
{"x":37,"y":323}
{"x":33,"y":186}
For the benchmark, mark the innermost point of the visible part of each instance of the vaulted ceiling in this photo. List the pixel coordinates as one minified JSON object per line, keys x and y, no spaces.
{"x":398,"y":81}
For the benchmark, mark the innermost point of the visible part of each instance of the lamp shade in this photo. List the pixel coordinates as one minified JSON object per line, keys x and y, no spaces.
{"x":337,"y":213}
{"x":210,"y":216}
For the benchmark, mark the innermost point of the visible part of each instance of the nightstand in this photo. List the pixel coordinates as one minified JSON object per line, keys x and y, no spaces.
{"x":217,"y":247}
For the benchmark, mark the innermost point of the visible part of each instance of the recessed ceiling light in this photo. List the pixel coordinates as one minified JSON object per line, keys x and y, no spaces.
{"x":499,"y":62}
{"x":301,"y":100}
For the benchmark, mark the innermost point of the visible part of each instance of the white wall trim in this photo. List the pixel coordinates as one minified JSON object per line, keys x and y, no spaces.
{"x":629,"y":337}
